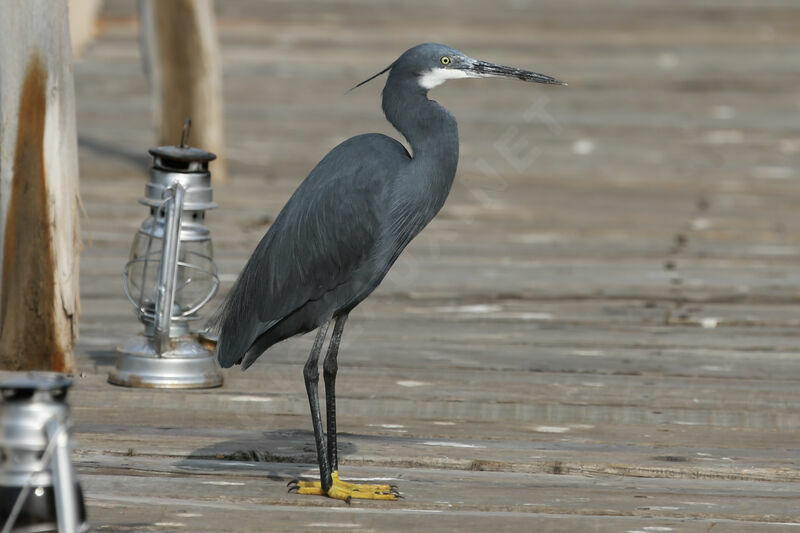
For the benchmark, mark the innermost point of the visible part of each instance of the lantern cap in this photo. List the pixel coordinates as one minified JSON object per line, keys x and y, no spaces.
{"x":182,"y":164}
{"x":182,"y":154}
{"x":185,"y":165}
{"x":181,"y":158}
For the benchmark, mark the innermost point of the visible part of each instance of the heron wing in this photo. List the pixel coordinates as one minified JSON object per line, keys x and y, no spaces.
{"x":324,"y":233}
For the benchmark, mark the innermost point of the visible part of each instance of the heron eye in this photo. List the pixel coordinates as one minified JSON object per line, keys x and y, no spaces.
{"x":445,"y":60}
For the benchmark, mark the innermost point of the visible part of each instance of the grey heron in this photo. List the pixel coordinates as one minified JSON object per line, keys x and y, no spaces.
{"x":341,"y":231}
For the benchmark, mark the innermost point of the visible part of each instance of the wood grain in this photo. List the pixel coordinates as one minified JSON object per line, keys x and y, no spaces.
{"x":598,"y":332}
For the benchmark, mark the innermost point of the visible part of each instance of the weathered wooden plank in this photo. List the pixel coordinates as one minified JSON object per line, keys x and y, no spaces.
{"x":561,"y":419}
{"x":468,"y":500}
{"x":602,"y":317}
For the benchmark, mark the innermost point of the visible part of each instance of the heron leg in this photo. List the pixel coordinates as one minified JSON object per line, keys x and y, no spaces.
{"x":329,"y":484}
{"x":311,"y":377}
{"x":329,"y":369}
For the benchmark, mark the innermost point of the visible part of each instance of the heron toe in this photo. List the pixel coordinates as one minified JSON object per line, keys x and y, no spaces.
{"x":343,"y":490}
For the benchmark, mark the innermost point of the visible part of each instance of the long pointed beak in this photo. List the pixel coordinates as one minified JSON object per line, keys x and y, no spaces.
{"x":484,"y":69}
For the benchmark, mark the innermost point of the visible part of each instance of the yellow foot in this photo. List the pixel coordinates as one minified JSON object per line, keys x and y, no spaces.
{"x":342,"y":490}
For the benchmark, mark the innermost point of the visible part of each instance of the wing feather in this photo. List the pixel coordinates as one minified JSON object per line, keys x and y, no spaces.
{"x":325,"y":232}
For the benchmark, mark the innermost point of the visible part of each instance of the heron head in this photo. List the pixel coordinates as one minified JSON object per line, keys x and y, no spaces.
{"x":432,"y":64}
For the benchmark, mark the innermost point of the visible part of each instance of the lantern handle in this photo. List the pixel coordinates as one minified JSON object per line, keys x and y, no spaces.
{"x":56,"y":433}
{"x":63,"y":477}
{"x":168,"y":268}
{"x":187,"y":126}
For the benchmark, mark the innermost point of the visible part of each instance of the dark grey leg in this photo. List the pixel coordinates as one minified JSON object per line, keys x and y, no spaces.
{"x":329,"y":368}
{"x":311,"y":376}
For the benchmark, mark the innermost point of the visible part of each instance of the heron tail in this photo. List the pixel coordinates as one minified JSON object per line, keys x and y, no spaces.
{"x":235,"y":328}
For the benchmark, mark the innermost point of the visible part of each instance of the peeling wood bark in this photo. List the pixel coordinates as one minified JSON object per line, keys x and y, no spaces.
{"x":181,"y":52}
{"x":39,"y":233}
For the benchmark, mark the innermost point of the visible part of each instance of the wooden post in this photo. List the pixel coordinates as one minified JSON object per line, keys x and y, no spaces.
{"x":181,"y":52}
{"x":83,"y":16}
{"x":39,"y":233}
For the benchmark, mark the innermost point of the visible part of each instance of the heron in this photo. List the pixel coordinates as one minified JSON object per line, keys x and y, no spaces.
{"x":342,"y":230}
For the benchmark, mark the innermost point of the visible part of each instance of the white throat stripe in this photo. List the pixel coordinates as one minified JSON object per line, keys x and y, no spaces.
{"x":437,"y":76}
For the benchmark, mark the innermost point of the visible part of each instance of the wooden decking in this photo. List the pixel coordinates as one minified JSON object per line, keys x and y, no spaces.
{"x":600,"y":332}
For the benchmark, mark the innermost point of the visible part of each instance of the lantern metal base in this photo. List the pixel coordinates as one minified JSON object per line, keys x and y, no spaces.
{"x":187,"y":365}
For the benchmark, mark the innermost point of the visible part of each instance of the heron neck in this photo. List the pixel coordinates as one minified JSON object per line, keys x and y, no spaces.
{"x":430,"y":129}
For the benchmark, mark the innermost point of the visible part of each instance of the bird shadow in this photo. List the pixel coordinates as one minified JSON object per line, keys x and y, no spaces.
{"x":277,"y":455}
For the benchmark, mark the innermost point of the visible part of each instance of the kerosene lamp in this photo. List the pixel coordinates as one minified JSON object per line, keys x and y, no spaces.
{"x":171,"y":275}
{"x":38,"y":487}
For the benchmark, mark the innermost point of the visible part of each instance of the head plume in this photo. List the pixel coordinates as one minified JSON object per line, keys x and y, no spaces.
{"x":371,"y":78}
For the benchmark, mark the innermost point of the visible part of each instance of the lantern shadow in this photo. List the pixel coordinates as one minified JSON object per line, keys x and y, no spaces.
{"x":277,"y":455}
{"x":137,"y":159}
{"x":102,"y":358}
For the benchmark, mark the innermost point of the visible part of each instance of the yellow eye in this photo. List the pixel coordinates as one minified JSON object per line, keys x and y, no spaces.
{"x":445,"y":60}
